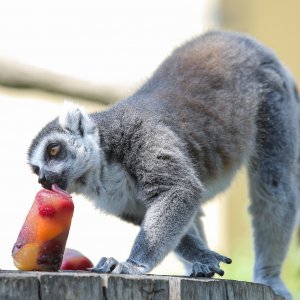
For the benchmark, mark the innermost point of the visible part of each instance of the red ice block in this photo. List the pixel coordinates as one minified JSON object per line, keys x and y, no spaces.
{"x":75,"y":260}
{"x":42,"y":239}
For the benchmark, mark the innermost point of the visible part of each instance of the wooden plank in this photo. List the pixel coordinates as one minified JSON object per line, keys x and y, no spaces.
{"x":225,"y":290}
{"x":75,"y":285}
{"x":137,"y":288}
{"x":174,"y":288}
{"x":15,"y":286}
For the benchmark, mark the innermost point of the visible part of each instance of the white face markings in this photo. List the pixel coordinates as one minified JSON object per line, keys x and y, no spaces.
{"x":37,"y":157}
{"x":79,"y":131}
{"x":80,"y":156}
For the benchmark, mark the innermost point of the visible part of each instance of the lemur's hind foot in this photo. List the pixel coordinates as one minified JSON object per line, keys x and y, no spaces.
{"x":209,"y":264}
{"x":277,"y":285}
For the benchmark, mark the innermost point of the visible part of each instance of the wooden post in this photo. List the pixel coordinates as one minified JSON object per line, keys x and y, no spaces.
{"x":67,"y":285}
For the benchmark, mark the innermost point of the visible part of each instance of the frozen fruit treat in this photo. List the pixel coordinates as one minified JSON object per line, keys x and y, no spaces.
{"x":75,"y":260}
{"x":42,"y":239}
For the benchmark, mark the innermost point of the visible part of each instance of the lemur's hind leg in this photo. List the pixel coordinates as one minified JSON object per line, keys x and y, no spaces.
{"x":272,"y":174}
{"x":197,"y":257}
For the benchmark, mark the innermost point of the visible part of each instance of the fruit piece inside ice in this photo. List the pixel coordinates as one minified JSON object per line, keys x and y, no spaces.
{"x":47,"y":227}
{"x":55,"y":211}
{"x":75,"y":260}
{"x":25,"y":259}
{"x":51,"y":253}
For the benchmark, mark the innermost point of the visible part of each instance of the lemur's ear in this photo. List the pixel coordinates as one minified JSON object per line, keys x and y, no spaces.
{"x":74,"y":119}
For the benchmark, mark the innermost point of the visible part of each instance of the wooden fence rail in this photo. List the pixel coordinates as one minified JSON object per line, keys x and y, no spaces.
{"x":90,"y":286}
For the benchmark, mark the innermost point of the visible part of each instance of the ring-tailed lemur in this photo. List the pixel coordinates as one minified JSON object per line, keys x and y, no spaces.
{"x":219,"y":101}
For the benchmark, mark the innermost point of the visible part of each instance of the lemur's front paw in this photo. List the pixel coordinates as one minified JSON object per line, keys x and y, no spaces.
{"x":105,"y":265}
{"x":111,"y":265}
{"x":208,"y":264}
{"x":129,"y":267}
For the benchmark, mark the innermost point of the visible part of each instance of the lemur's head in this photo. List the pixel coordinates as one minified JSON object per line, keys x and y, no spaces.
{"x":65,"y":150}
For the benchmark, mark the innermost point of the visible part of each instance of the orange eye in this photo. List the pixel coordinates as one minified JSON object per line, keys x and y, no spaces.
{"x":53,"y":150}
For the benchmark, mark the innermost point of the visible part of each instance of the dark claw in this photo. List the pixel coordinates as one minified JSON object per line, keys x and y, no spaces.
{"x":224,"y":259}
{"x":217,"y":270}
{"x":220,"y":272}
{"x":228,"y":260}
{"x":210,"y":274}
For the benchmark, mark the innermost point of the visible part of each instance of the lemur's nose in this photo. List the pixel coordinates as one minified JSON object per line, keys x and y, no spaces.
{"x":42,"y":179}
{"x":45,"y":182}
{"x":47,"y":178}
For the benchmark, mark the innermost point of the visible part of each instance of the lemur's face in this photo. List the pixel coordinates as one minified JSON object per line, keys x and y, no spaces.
{"x":65,"y":150}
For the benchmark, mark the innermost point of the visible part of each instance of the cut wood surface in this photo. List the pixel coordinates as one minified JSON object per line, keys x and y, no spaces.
{"x":85,"y":285}
{"x":18,"y":75}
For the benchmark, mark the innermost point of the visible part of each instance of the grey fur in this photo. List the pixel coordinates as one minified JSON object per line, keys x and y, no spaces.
{"x":219,"y":101}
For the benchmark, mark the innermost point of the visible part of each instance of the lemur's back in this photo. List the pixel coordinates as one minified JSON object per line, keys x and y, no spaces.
{"x":208,"y":92}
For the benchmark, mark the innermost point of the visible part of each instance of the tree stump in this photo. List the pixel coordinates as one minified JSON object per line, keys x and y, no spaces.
{"x":69,"y":285}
